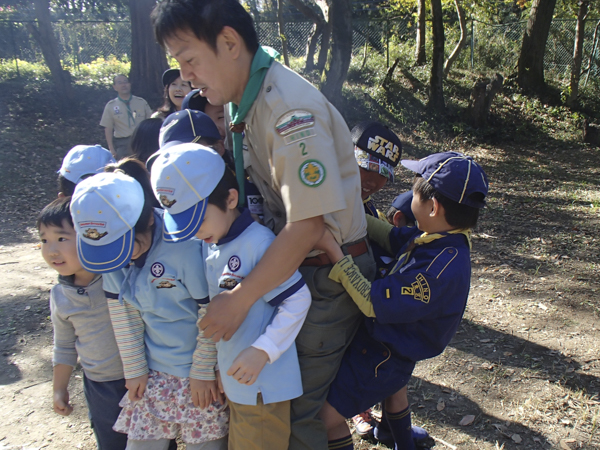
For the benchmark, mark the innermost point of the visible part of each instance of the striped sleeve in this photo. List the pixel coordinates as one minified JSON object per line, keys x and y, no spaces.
{"x":205,"y":355}
{"x":129,"y":334}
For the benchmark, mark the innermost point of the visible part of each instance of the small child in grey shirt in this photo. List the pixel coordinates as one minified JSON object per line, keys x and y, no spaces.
{"x":82,"y":328}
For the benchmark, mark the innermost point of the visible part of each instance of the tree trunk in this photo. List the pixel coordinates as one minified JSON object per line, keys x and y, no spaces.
{"x":482,"y":95}
{"x":420,"y":50}
{"x":325,"y":45}
{"x":340,"y":18}
{"x":148,"y":59}
{"x":461,"y":43}
{"x":530,"y":68}
{"x":284,"y":44}
{"x":578,"y":52}
{"x":320,"y":24}
{"x":43,"y":34}
{"x":436,"y":82}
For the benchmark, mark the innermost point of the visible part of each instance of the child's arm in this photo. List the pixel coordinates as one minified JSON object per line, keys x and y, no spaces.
{"x":203,"y":384}
{"x":277,"y":338}
{"x":60,"y":384}
{"x":358,"y":287}
{"x":129,"y":334}
{"x":379,"y":232}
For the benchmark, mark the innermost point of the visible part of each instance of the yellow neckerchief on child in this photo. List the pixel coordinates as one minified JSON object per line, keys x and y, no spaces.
{"x":426,"y":238}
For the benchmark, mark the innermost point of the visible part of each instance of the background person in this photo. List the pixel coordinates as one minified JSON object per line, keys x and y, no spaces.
{"x":175,"y":90}
{"x":121,"y":115}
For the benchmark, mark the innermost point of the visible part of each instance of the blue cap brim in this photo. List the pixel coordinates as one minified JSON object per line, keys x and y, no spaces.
{"x":106,"y":258}
{"x":185,"y":225}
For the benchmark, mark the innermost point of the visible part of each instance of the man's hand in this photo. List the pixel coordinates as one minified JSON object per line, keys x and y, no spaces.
{"x":136,"y":387}
{"x":205,"y":392}
{"x":61,"y":403}
{"x":248,"y":365}
{"x":329,"y":245}
{"x":224,"y":315}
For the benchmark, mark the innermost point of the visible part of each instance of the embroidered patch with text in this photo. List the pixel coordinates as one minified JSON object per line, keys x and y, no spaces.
{"x":293,"y":121}
{"x":300,"y":135}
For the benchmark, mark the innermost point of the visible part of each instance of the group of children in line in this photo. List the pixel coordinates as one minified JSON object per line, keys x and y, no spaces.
{"x":140,"y":252}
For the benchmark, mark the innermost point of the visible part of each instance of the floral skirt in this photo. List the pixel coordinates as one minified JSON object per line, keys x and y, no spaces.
{"x":166,"y":409}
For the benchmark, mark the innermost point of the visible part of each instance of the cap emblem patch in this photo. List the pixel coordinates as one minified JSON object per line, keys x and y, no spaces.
{"x":312,"y":173}
{"x":92,"y":233}
{"x":166,"y":202}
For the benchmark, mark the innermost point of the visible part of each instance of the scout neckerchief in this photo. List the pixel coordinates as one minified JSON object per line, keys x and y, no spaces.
{"x":258,"y":70}
{"x":426,"y":238}
{"x":130,"y":116}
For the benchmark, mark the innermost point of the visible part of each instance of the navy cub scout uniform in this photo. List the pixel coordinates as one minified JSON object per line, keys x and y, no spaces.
{"x":418,"y":308}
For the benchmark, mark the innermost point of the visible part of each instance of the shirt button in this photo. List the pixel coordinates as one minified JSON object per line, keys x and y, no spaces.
{"x":320,"y":345}
{"x":364,"y":351}
{"x":268,"y":88}
{"x":450,"y":251}
{"x":81,"y":291}
{"x":278,"y":214}
{"x":385,"y":354}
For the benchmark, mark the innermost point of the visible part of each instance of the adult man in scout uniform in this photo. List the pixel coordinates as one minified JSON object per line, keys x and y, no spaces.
{"x":299,"y":155}
{"x":121,"y":115}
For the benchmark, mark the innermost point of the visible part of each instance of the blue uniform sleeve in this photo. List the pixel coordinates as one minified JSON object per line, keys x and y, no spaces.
{"x":430,"y":285}
{"x":193,"y":269}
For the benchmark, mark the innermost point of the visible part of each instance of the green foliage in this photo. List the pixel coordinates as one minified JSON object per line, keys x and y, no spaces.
{"x":27,"y":70}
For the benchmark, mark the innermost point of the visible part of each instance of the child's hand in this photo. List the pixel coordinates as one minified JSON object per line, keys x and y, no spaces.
{"x":219,"y":382}
{"x":247,"y":366}
{"x":329,"y":245}
{"x":61,"y":403}
{"x":136,"y":387}
{"x":205,"y":392}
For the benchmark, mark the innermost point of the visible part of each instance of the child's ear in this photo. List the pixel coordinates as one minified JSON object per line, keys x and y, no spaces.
{"x":399,"y":219}
{"x":61,"y":195}
{"x":232,"y":200}
{"x":437,"y":209}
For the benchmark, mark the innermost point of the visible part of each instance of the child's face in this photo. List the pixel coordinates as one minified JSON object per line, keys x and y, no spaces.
{"x":370,"y":182}
{"x":422,"y":211}
{"x":216,"y":223}
{"x":217,"y":114}
{"x":59,"y":248}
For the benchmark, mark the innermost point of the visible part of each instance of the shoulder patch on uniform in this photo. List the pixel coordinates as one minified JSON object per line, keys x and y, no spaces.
{"x":442,"y":261}
{"x":293,"y":121}
{"x":419,"y":289}
{"x":312,"y":173}
{"x":299,"y":136}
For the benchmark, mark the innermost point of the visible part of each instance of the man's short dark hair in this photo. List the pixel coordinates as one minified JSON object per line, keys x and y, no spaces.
{"x":457,"y":214}
{"x":220,"y":194}
{"x":204,"y":18}
{"x":55,"y":213}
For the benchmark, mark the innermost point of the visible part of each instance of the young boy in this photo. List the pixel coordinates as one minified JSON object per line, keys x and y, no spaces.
{"x":377,"y":150}
{"x":413,"y":313}
{"x":259,"y":364}
{"x":80,"y":162}
{"x":82,"y":328}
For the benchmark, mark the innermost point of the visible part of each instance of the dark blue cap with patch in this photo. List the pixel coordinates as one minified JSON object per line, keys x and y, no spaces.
{"x":402,"y":203}
{"x":453,"y":175}
{"x":193,"y":100}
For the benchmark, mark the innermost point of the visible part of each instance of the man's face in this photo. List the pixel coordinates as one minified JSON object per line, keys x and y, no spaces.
{"x":211,"y":72}
{"x":122,"y":85}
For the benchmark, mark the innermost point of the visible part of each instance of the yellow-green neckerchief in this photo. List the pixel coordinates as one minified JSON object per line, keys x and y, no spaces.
{"x":261,"y":62}
{"x":130,"y":116}
{"x":426,"y":238}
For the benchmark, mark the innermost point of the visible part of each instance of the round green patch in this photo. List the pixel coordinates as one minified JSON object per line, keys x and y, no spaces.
{"x":312,"y":173}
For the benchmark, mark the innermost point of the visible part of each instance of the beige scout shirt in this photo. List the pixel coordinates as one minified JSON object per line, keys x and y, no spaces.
{"x":301,"y":157}
{"x":115,"y":114}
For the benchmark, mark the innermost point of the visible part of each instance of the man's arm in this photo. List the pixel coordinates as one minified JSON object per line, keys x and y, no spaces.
{"x":227,"y":310}
{"x":108,"y":133}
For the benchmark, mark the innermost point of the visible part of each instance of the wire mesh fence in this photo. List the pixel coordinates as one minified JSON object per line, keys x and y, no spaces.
{"x":492,"y":47}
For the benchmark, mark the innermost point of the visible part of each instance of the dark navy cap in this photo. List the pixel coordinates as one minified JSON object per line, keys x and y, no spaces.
{"x":169,"y":76}
{"x":193,"y":100}
{"x":402,"y":203}
{"x":378,"y":140}
{"x":453,"y":175}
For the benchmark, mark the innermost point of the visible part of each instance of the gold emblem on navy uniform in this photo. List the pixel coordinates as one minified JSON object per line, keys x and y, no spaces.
{"x":166,"y":202}
{"x":385,"y":148}
{"x":165,"y":285}
{"x":419,"y":289}
{"x":228,"y":283}
{"x":92,"y":233}
{"x":312,"y":173}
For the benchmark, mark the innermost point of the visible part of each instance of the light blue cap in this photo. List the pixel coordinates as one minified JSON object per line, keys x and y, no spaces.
{"x":182,"y":177}
{"x":84,"y":160}
{"x":105,"y":209}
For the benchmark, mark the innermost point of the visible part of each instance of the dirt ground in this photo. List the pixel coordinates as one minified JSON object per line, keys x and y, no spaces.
{"x":523,"y":372}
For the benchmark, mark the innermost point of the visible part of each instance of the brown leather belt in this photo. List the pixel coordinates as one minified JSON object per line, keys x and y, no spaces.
{"x":354,"y":250}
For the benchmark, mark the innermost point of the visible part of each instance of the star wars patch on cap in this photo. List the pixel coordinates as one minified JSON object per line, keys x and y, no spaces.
{"x":293,"y":121}
{"x":312,"y":173}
